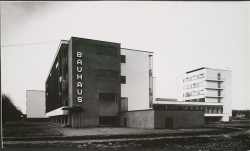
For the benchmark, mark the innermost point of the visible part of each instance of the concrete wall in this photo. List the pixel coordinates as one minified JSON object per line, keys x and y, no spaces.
{"x":138,"y":119}
{"x":181,"y":119}
{"x":155,"y":119}
{"x":35,"y":104}
{"x":136,"y":70}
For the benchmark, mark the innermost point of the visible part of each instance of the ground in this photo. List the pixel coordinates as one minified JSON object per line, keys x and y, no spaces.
{"x":233,"y":135}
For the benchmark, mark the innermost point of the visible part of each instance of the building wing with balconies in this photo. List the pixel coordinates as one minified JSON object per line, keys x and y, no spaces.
{"x":203,"y":89}
{"x":210,"y":86}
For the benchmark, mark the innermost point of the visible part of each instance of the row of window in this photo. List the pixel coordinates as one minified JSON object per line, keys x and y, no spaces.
{"x":107,"y":51}
{"x":194,"y":93}
{"x":111,"y":52}
{"x":194,"y":85}
{"x":213,"y":110}
{"x":206,"y":109}
{"x":110,"y":75}
{"x":199,"y":76}
{"x":111,"y":97}
{"x":107,"y":74}
{"x":196,"y":100}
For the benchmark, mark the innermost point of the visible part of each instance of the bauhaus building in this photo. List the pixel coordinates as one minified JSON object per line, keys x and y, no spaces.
{"x":94,"y":83}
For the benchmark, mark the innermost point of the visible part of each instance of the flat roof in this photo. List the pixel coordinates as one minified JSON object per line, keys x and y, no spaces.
{"x":166,"y":99}
{"x":93,"y":40}
{"x":137,"y":50}
{"x":196,"y":70}
{"x":138,"y":110}
{"x":204,"y":68}
{"x":185,"y":103}
{"x":36,"y":90}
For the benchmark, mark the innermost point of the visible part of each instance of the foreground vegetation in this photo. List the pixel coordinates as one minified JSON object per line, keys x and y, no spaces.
{"x":9,"y":111}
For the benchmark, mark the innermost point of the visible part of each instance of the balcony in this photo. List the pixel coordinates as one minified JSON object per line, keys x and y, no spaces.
{"x":214,"y":87}
{"x":215,"y":79}
{"x":214,"y":95}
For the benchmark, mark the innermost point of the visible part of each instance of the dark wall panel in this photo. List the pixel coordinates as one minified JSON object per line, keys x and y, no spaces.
{"x":92,"y":61}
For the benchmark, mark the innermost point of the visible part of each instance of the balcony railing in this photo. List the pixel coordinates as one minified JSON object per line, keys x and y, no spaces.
{"x":214,"y":87}
{"x":209,"y":95}
{"x":215,"y":79}
{"x":193,"y":95}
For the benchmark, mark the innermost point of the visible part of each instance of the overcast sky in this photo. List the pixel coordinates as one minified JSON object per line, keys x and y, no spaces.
{"x":182,"y":35}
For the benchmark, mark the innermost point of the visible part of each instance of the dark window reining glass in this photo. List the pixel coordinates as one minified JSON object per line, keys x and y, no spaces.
{"x":123,"y":79}
{"x":107,"y":97}
{"x":123,"y":59}
{"x":107,"y":51}
{"x":107,"y":74}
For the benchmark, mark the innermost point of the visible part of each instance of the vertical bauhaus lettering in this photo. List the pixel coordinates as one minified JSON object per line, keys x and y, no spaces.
{"x":79,"y":91}
{"x":79,"y":84}
{"x":79,"y":62}
{"x":79,"y":99}
{"x":79,"y":76}
{"x":79,"y":69}
{"x":79,"y":54}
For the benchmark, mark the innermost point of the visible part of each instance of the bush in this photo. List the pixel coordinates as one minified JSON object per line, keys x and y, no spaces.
{"x":9,"y":110}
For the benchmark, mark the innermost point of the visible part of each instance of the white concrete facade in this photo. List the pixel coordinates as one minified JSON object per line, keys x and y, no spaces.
{"x":137,"y":87}
{"x":35,"y":103}
{"x":208,"y":86}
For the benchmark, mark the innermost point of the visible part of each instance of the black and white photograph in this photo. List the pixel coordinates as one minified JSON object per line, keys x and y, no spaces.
{"x":125,"y":75}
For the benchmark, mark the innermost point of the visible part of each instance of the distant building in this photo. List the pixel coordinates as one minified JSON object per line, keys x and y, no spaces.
{"x":203,"y":89}
{"x":35,"y":106}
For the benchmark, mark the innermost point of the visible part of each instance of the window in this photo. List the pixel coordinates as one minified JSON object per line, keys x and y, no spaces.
{"x":107,"y":51}
{"x":123,"y":79}
{"x":123,"y":59}
{"x":202,"y":92}
{"x":57,"y":64}
{"x":201,"y":76}
{"x":107,"y":97}
{"x":194,"y":77}
{"x":107,"y":74}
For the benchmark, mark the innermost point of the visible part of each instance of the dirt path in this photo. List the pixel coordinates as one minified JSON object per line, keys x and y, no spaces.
{"x":225,"y":136}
